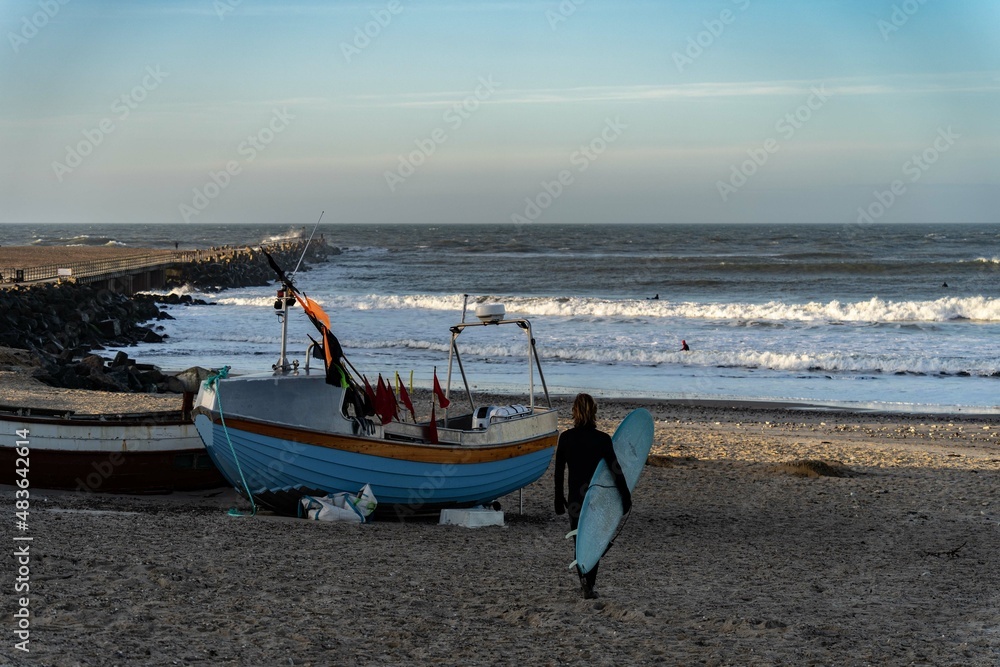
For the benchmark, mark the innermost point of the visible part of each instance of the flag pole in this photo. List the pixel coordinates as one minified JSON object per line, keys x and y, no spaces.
{"x":315,"y":227}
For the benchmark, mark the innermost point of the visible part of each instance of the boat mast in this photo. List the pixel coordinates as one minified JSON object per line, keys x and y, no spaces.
{"x":284,"y":300}
{"x":531,"y":370}
{"x":306,"y":247}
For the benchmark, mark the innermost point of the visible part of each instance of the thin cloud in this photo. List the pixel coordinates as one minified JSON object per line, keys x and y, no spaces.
{"x":251,"y":9}
{"x":914,"y":85}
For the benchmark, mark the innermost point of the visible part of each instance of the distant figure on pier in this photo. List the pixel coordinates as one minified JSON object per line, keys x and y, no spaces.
{"x":684,"y":346}
{"x":177,"y":244}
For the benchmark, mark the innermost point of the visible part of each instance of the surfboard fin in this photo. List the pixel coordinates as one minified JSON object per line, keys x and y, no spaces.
{"x":571,"y":533}
{"x":572,"y":565}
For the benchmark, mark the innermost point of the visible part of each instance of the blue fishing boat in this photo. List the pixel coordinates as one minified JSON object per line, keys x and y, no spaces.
{"x":299,"y":431}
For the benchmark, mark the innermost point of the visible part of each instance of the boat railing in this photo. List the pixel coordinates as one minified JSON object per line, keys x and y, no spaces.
{"x":54,"y":414}
{"x":534,"y":362}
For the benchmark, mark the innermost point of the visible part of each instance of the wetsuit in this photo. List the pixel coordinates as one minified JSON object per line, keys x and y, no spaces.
{"x":581,"y":448}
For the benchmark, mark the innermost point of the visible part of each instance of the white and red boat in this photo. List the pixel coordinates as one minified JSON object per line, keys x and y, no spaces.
{"x":156,"y":452}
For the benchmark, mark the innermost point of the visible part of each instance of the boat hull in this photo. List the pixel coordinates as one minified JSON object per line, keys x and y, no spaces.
{"x":136,"y":454}
{"x":273,"y":458}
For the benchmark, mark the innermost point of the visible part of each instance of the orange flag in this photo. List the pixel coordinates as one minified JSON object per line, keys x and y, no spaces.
{"x":313,"y":310}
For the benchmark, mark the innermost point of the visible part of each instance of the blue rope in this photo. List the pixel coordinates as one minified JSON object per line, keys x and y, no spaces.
{"x":213,"y":381}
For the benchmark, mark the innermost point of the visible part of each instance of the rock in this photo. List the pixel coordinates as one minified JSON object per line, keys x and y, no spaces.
{"x":188,"y":380}
{"x":121,"y":359}
{"x":117,"y":380}
{"x":110,"y":328}
{"x":150,"y":377}
{"x":90,"y":364}
{"x":152,"y":337}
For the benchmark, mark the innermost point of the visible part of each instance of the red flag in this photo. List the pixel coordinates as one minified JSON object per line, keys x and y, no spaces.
{"x":444,"y":402}
{"x":404,"y":396}
{"x":432,"y":428}
{"x":369,"y":391}
{"x":392,"y":403}
{"x":382,"y":401}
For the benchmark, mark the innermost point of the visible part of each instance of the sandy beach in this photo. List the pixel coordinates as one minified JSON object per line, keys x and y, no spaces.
{"x":736,"y":553}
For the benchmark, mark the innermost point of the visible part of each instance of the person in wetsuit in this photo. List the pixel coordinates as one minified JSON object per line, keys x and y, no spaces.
{"x":580,"y":449}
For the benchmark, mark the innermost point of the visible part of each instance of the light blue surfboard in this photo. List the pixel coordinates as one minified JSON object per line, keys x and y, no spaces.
{"x":602,"y":504}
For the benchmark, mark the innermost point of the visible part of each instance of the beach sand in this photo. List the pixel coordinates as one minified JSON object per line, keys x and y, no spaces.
{"x":18,"y":389}
{"x":736,"y":553}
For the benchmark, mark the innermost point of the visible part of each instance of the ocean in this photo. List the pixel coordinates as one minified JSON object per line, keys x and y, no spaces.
{"x":895,"y":317}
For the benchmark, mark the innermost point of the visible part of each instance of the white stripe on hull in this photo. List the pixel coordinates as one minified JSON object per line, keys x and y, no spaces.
{"x":105,"y":436}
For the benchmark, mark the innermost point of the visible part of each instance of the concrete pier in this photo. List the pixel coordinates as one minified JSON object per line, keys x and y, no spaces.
{"x":124,"y":270}
{"x":131,"y":270}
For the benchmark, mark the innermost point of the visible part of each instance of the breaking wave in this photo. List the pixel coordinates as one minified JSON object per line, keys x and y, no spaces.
{"x":293,"y":234}
{"x":978,"y":308}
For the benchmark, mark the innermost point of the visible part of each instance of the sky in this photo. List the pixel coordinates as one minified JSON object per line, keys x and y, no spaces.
{"x":579,"y":111}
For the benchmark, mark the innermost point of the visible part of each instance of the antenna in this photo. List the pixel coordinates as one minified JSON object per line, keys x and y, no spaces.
{"x":315,"y":227}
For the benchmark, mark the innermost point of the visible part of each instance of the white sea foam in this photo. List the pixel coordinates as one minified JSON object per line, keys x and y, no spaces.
{"x":398,"y":343}
{"x":976,"y":308}
{"x":254,"y":301}
{"x":292,"y":234}
{"x":175,"y":291}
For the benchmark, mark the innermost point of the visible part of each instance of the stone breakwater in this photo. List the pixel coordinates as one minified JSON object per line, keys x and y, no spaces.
{"x":64,"y":324}
{"x":222,"y":268}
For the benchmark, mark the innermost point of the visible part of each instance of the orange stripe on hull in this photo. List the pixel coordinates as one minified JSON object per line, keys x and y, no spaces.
{"x":422,"y":453}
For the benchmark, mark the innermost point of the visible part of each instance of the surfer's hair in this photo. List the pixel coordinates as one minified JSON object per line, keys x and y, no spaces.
{"x":584,"y":411}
